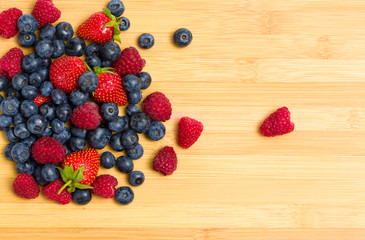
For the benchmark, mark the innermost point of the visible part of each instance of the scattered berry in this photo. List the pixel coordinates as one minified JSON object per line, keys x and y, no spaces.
{"x":76,"y":47}
{"x":165,"y":161}
{"x":27,"y":23}
{"x":136,"y":152}
{"x":86,"y":116}
{"x":145,"y":79}
{"x":57,"y":125}
{"x":10,"y":106}
{"x":81,"y":196}
{"x":44,"y":48}
{"x":45,"y":12}
{"x":40,"y":100}
{"x":25,"y":186}
{"x":104,"y":186}
{"x":119,"y":124}
{"x":156,"y":131}
{"x":134,"y":97}
{"x":63,"y":112}
{"x":109,"y":111}
{"x":107,"y":160}
{"x":116,"y":142}
{"x":129,"y":62}
{"x":21,"y":131}
{"x":77,"y":97}
{"x":78,"y":132}
{"x":11,"y":63}
{"x":31,"y":63}
{"x":47,"y":32}
{"x":4,"y":83}
{"x":26,"y":167}
{"x":139,"y":122}
{"x":183,"y":37}
{"x":110,"y":51}
{"x":131,"y":108}
{"x":5,"y":121}
{"x":48,"y":110}
{"x":28,"y":108}
{"x":124,"y":164}
{"x":93,"y":61}
{"x":76,"y":144}
{"x":8,"y":22}
{"x":189,"y":130}
{"x":64,"y":31}
{"x":20,"y":152}
{"x":36,"y":79}
{"x":124,"y":195}
{"x":278,"y":123}
{"x":46,"y":88}
{"x":136,"y":178}
{"x":116,"y":7}
{"x":26,"y":39}
{"x":129,"y":139}
{"x":146,"y":41}
{"x":88,"y":82}
{"x":93,"y":50}
{"x":29,"y":92}
{"x":124,"y":24}
{"x":51,"y":192}
{"x":59,"y":48}
{"x":49,"y":172}
{"x":157,"y":106}
{"x":99,"y":137}
{"x":48,"y":150}
{"x":131,"y":83}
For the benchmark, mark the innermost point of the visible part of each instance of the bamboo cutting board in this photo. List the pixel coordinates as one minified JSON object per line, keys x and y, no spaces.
{"x":248,"y":58}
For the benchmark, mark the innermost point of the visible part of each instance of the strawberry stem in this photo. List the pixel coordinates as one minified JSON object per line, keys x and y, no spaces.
{"x":64,"y":186}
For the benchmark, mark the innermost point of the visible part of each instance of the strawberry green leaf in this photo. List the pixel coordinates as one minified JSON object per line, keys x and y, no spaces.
{"x":108,"y":13}
{"x":62,"y":173}
{"x":68,"y":171}
{"x":116,"y":30}
{"x":109,"y":24}
{"x":83,"y":186}
{"x":117,"y":38}
{"x":79,"y":176}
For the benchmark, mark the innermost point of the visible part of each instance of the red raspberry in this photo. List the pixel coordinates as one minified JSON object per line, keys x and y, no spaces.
{"x":25,"y":186}
{"x":278,"y":123}
{"x":86,"y":116}
{"x":157,"y":106}
{"x":51,"y":192}
{"x":40,"y":99}
{"x":189,"y":131}
{"x":8,"y":22}
{"x":129,"y":62}
{"x":104,"y":186}
{"x":165,"y":161}
{"x":11,"y":63}
{"x":48,"y":150}
{"x":45,"y":12}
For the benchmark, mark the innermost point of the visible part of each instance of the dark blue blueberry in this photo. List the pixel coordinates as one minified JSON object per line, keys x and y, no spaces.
{"x":29,"y":92}
{"x":36,"y":124}
{"x":64,"y":31}
{"x":59,"y":48}
{"x":46,"y":62}
{"x":107,"y":160}
{"x":29,"y":140}
{"x":68,"y":150}
{"x":99,"y":137}
{"x":47,"y":32}
{"x":131,"y":108}
{"x":5,"y":122}
{"x":120,"y":124}
{"x":124,"y":164}
{"x":57,"y":125}
{"x":76,"y":144}
{"x":134,"y":97}
{"x":77,"y":97}
{"x":44,"y":48}
{"x":139,"y":122}
{"x":48,"y":110}
{"x":47,"y":132}
{"x":116,"y":143}
{"x":183,"y":37}
{"x":28,"y":108}
{"x":62,"y":137}
{"x":81,"y":196}
{"x":93,"y":61}
{"x":27,"y":23}
{"x":156,"y":131}
{"x":38,"y":176}
{"x":7,"y":151}
{"x":20,"y":152}
{"x":124,"y":24}
{"x":21,"y":131}
{"x":10,"y":106}
{"x":19,"y":81}
{"x":26,"y":167}
{"x":46,"y":88}
{"x":76,"y":47}
{"x":11,"y":92}
{"x":129,"y":139}
{"x":78,"y":132}
{"x":145,"y":79}
{"x":35,"y":79}
{"x":58,"y":96}
{"x":31,"y":63}
{"x":124,"y":195}
{"x":136,"y":152}
{"x":131,"y":83}
{"x":4,"y":83}
{"x":49,"y":172}
{"x":93,"y":50}
{"x":116,"y":7}
{"x":63,"y":112}
{"x":105,"y":64}
{"x":136,"y":178}
{"x":88,"y":82}
{"x":44,"y":72}
{"x":10,"y":136}
{"x":26,"y":39}
{"x":146,"y":41}
{"x":109,"y":111}
{"x":110,"y":51}
{"x":1,"y":98}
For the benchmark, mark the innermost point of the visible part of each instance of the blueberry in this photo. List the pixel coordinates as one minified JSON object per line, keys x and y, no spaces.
{"x":10,"y":136}
{"x":88,"y":82}
{"x":21,"y":131}
{"x":47,"y":132}
{"x":129,"y":139}
{"x":44,"y":48}
{"x":77,"y":97}
{"x":156,"y":131}
{"x":38,"y":176}
{"x":1,"y":98}
{"x":35,"y":79}
{"x":116,"y":7}
{"x":64,"y":112}
{"x":136,"y":178}
{"x":139,"y":122}
{"x":36,"y":124}
{"x":29,"y":92}
{"x":145,"y":79}
{"x":62,"y":137}
{"x":4,"y":83}
{"x":47,"y":32}
{"x":31,"y":63}
{"x":26,"y":39}
{"x":107,"y":160}
{"x":124,"y":164}
{"x":78,"y":132}
{"x":120,"y":124}
{"x":124,"y":195}
{"x":131,"y":108}
{"x":7,"y":151}
{"x":81,"y":196}
{"x":29,"y":140}
{"x":76,"y":144}
{"x":93,"y":50}
{"x":99,"y":137}
{"x":46,"y":62}
{"x":109,"y":111}
{"x":116,"y":143}
{"x":11,"y":92}
{"x":76,"y":47}
{"x":68,"y":150}
{"x":58,"y":96}
{"x":105,"y":64}
{"x":124,"y":24}
{"x":59,"y":48}
{"x":27,"y":23}
{"x":146,"y":41}
{"x":57,"y":125}
{"x":110,"y":51}
{"x":44,"y":72}
{"x":46,"y":88}
{"x":19,"y":81}
{"x":64,"y":31}
{"x":20,"y":152}
{"x":26,"y":167}
{"x":10,"y":106}
{"x":136,"y":152}
{"x":48,"y":110}
{"x":5,"y":122}
{"x":131,"y":83}
{"x":134,"y":97}
{"x":183,"y":37}
{"x":93,"y":61}
{"x":49,"y":172}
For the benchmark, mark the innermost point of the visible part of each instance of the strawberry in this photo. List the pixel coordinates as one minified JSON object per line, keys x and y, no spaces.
{"x":40,"y":99}
{"x":64,"y":73}
{"x":278,"y":123}
{"x":101,"y":27}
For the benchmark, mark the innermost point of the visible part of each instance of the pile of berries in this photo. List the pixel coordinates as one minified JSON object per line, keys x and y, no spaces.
{"x":56,"y":104}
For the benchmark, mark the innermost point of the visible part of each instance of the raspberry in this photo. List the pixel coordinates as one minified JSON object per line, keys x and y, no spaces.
{"x":11,"y":63}
{"x":157,"y":106}
{"x":129,"y":62}
{"x":165,"y":161}
{"x":25,"y":186}
{"x":40,"y":99}
{"x":278,"y":123}
{"x":8,"y":22}
{"x":189,"y":131}
{"x":45,"y":12}
{"x":48,"y":150}
{"x":51,"y":192}
{"x":104,"y":186}
{"x":86,"y":116}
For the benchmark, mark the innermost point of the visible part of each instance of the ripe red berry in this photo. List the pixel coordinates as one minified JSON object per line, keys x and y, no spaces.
{"x":278,"y":123}
{"x":45,"y":12}
{"x":25,"y":186}
{"x":157,"y":106}
{"x":51,"y":192}
{"x":11,"y":63}
{"x":8,"y":22}
{"x":129,"y":62}
{"x":189,"y":131}
{"x":104,"y":186}
{"x":48,"y":150}
{"x":165,"y":161}
{"x":86,"y":116}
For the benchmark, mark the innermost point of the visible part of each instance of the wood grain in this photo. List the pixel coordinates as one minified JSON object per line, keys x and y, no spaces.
{"x":248,"y":57}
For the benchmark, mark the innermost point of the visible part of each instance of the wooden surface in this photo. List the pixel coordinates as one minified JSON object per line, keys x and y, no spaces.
{"x":248,"y":57}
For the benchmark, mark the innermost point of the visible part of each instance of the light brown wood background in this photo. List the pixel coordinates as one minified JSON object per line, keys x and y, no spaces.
{"x":248,"y":57}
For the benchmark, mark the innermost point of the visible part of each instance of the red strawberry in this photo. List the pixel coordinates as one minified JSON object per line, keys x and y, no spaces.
{"x":165,"y":161}
{"x":86,"y":116}
{"x":25,"y":186}
{"x":11,"y":63}
{"x":8,"y":22}
{"x":278,"y":123}
{"x":101,"y":27}
{"x":45,"y":12}
{"x":129,"y":62}
{"x":64,"y":73}
{"x":189,"y":131}
{"x":52,"y":192}
{"x":40,"y":99}
{"x":104,"y":186}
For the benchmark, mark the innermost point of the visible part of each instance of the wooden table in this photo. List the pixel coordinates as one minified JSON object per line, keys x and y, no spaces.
{"x":248,"y":57}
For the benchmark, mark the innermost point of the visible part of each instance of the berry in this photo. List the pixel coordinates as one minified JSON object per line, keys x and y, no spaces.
{"x":129,"y":62}
{"x":48,"y":110}
{"x":21,"y":131}
{"x":51,"y":192}
{"x":77,"y":97}
{"x":64,"y":31}
{"x":165,"y":161}
{"x":9,"y":106}
{"x":62,"y":137}
{"x":109,"y":111}
{"x":58,"y":96}
{"x":38,"y":177}
{"x":145,"y":79}
{"x":35,"y":79}
{"x":76,"y":144}
{"x":93,"y":61}
{"x":131,"y":83}
{"x":25,"y":186}
{"x":156,"y":131}
{"x":93,"y":50}
{"x":105,"y":64}
{"x":27,"y":23}
{"x":11,"y":63}
{"x":36,"y":124}
{"x":146,"y":41}
{"x":47,"y":32}
{"x":46,"y":88}
{"x":48,"y":150}
{"x":107,"y":160}
{"x":44,"y":48}
{"x":124,"y":164}
{"x":81,"y":196}
{"x":110,"y":51}
{"x":19,"y":81}
{"x":44,"y":73}
{"x":26,"y":39}
{"x":86,"y":116}
{"x":136,"y":178}
{"x":8,"y":22}
{"x":57,"y":125}
{"x":59,"y":48}
{"x":119,"y":124}
{"x":124,"y":24}
{"x":110,"y":88}
{"x":88,"y":82}
{"x":183,"y":37}
{"x":131,"y":108}
{"x":4,"y":83}
{"x":5,"y":121}
{"x":104,"y":186}
{"x":124,"y":195}
{"x":116,"y":7}
{"x":46,"y":62}
{"x":157,"y":106}
{"x":29,"y":92}
{"x":45,"y":12}
{"x":49,"y":172}
{"x":7,"y":151}
{"x":116,"y":143}
{"x":20,"y":152}
{"x":31,"y":63}
{"x":10,"y":136}
{"x":40,"y":100}
{"x":29,"y":140}
{"x":278,"y":123}
{"x":63,"y":112}
{"x":78,"y":132}
{"x":26,"y":167}
{"x":99,"y":137}
{"x":11,"y":92}
{"x":76,"y":47}
{"x":189,"y":130}
{"x":139,"y":122}
{"x":136,"y":152}
{"x":134,"y":97}
{"x":47,"y":132}
{"x":129,"y":139}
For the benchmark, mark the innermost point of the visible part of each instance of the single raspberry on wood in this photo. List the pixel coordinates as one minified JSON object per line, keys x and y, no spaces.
{"x":278,"y":123}
{"x":8,"y":22}
{"x":189,"y":131}
{"x":157,"y":106}
{"x":165,"y":161}
{"x":25,"y":186}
